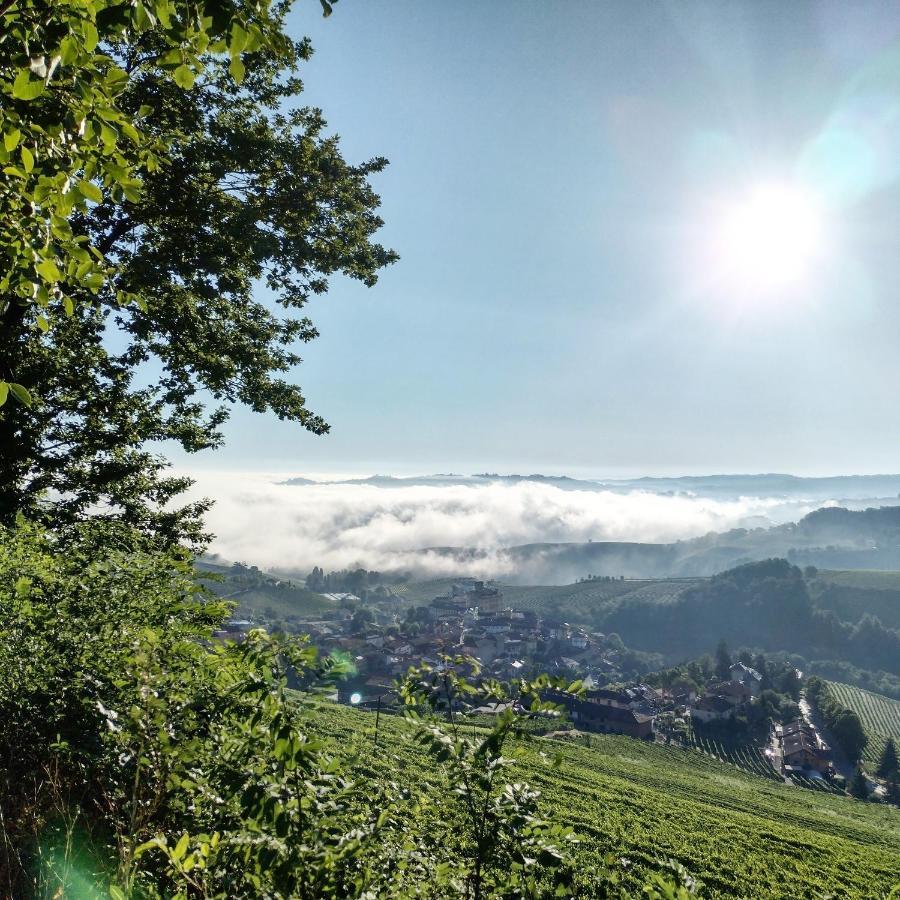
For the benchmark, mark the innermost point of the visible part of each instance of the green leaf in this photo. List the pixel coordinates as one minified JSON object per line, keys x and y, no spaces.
{"x":116,"y":893}
{"x":89,"y":191}
{"x":20,"y":393}
{"x":4,"y":392}
{"x":162,"y":13}
{"x":181,"y":847}
{"x":48,"y":270}
{"x":184,"y":77}
{"x":27,"y":158}
{"x":108,"y":135}
{"x":238,"y":39}
{"x":43,"y":324}
{"x":11,"y":139}
{"x":236,"y":68}
{"x":68,"y":305}
{"x":24,"y":88}
{"x":91,"y":38}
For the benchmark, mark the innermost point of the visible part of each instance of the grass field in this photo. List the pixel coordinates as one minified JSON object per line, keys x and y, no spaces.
{"x":741,"y":835}
{"x":880,"y":717}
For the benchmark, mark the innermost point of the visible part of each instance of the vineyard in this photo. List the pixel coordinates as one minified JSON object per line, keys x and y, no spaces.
{"x":880,"y":716}
{"x":746,"y":757}
{"x":741,"y":835}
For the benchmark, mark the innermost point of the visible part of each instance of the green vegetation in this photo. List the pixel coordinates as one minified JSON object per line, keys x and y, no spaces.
{"x":279,"y":603}
{"x":142,"y":759}
{"x":584,"y":602}
{"x":764,"y":604}
{"x":198,"y":176}
{"x":742,"y":754}
{"x":880,"y":717}
{"x":844,"y":723}
{"x":851,"y":595}
{"x":865,"y":579}
{"x":74,"y":139}
{"x":738,"y":834}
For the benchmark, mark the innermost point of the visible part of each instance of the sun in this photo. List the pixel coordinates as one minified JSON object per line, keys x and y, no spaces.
{"x":769,"y":238}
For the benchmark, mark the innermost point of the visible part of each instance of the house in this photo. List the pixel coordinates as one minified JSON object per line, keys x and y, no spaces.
{"x":609,"y":697}
{"x":736,"y":692}
{"x":591,"y":716}
{"x":802,"y":748}
{"x":712,"y":708}
{"x":741,"y":674}
{"x":495,"y":625}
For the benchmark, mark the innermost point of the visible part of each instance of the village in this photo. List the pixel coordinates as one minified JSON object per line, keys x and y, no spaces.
{"x":382,"y":638}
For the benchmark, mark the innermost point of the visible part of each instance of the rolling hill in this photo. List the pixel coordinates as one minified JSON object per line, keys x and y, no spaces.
{"x":741,"y":835}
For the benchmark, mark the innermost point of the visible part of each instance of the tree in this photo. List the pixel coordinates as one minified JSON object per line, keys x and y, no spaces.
{"x":888,"y":766}
{"x":68,"y":137}
{"x":247,"y":194}
{"x":858,"y":786}
{"x":723,"y":660}
{"x":849,"y":733}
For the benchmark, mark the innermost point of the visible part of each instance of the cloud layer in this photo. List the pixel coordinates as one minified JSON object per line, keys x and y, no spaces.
{"x":291,"y":528}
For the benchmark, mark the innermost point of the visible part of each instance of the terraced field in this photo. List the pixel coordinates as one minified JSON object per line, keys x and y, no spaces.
{"x":746,"y":757}
{"x":741,"y":835}
{"x":880,"y":717}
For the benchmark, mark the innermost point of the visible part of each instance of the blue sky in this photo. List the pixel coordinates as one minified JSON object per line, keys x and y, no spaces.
{"x":552,"y":170}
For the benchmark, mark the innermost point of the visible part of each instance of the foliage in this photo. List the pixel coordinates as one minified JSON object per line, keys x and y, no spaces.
{"x":880,"y":717}
{"x":888,"y":766}
{"x":634,"y":804}
{"x":243,"y":189}
{"x":858,"y":787}
{"x":507,"y":843}
{"x":763,"y":604}
{"x":70,"y":136}
{"x":843,"y":722}
{"x":176,"y":765}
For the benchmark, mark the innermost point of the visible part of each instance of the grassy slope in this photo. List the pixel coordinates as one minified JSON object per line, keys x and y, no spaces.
{"x":869,"y":579}
{"x":743,"y":836}
{"x":880,"y":716}
{"x":256,"y":603}
{"x":580,"y":602}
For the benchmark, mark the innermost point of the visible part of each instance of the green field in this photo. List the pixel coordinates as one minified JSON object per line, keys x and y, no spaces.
{"x":868,"y":579}
{"x":264,"y":598}
{"x":745,"y":756}
{"x":880,"y":717}
{"x":741,"y":835}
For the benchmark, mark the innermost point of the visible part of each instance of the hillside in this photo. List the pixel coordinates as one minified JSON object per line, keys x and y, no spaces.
{"x":742,"y":836}
{"x":828,"y":538}
{"x":880,"y":717}
{"x":264,"y":598}
{"x":584,"y":602}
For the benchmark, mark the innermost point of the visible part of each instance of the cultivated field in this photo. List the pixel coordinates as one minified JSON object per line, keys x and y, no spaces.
{"x":741,"y":835}
{"x":880,"y":717}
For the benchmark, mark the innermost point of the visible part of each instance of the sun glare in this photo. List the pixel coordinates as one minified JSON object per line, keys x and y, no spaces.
{"x":769,"y":239}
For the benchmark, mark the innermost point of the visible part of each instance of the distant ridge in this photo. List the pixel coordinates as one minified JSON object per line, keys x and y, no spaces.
{"x":771,"y":484}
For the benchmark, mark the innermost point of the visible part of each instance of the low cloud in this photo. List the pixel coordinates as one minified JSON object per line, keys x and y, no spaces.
{"x":291,"y":528}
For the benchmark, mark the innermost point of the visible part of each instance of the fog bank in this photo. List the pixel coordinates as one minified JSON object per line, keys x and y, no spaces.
{"x":291,"y":528}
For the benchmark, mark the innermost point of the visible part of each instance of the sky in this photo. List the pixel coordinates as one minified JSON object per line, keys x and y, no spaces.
{"x":567,"y":182}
